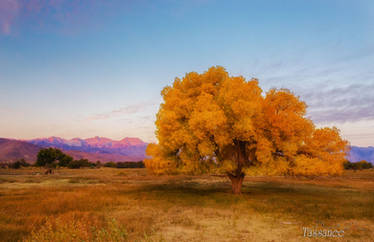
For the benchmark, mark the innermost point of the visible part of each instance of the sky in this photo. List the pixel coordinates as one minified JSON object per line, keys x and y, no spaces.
{"x":96,"y":68}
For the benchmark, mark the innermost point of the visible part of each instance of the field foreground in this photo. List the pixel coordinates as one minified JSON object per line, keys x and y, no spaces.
{"x":109,"y":204}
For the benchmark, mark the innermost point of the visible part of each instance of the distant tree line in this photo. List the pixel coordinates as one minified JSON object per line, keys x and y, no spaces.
{"x":52,"y":158}
{"x":15,"y":165}
{"x":127,"y":164}
{"x":357,"y":165}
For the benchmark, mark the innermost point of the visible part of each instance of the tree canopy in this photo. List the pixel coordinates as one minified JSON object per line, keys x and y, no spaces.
{"x":214,"y":122}
{"x":49,"y":156}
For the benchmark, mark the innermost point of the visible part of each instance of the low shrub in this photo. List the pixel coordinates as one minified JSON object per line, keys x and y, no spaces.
{"x":357,"y":165}
{"x":76,"y":164}
{"x":15,"y":165}
{"x":59,"y":230}
{"x":126,"y":164}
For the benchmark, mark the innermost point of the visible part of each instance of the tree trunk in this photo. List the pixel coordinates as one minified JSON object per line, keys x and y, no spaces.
{"x":236,"y":183}
{"x":48,"y":171}
{"x":237,"y":176}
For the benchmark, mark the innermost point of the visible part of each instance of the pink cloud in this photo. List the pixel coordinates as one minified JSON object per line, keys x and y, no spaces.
{"x":69,"y":15}
{"x":9,"y":10}
{"x":126,"y":110}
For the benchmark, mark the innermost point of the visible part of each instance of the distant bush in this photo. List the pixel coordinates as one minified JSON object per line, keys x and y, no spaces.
{"x":67,"y":161}
{"x":138,"y":164}
{"x":17,"y":164}
{"x":98,"y":164}
{"x":110,"y":164}
{"x":76,"y":164}
{"x":357,"y":165}
{"x":127,"y":164}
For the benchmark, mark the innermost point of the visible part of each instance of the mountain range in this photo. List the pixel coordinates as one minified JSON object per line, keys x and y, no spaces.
{"x":104,"y":149}
{"x":12,"y":150}
{"x":127,"y":146}
{"x":361,"y":153}
{"x":93,"y":149}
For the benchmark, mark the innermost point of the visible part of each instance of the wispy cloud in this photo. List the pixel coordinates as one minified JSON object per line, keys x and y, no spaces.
{"x":138,"y":108}
{"x":9,"y":10}
{"x":341,"y":104}
{"x":65,"y":14}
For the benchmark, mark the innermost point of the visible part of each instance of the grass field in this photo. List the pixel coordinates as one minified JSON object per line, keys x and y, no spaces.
{"x":109,"y":204}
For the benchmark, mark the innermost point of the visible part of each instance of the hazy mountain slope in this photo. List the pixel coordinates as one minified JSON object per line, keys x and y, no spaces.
{"x":362,"y":153}
{"x":101,"y":156}
{"x":126,"y":150}
{"x":12,"y":150}
{"x":104,"y":149}
{"x":132,"y":147}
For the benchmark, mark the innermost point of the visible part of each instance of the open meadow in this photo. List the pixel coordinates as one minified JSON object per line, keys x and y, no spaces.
{"x":110,"y":204}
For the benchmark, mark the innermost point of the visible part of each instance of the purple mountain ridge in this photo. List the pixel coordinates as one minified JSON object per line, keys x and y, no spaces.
{"x":136,"y":147}
{"x":133,"y":147}
{"x":105,"y":149}
{"x":361,"y":153}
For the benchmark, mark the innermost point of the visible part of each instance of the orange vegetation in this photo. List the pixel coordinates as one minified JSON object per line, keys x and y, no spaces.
{"x":216,"y":122}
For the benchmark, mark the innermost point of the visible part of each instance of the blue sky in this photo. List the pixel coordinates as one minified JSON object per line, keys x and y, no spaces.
{"x":75,"y":69}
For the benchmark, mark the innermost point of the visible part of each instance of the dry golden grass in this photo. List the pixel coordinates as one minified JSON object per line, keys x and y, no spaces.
{"x":130,"y":205}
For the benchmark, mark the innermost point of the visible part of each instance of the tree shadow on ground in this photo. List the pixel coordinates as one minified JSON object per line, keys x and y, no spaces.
{"x":301,"y":201}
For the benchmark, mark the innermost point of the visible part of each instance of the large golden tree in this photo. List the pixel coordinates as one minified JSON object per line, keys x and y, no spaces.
{"x":213,"y":122}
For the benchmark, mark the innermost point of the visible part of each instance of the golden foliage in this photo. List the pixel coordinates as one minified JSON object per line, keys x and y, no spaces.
{"x":213,"y":121}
